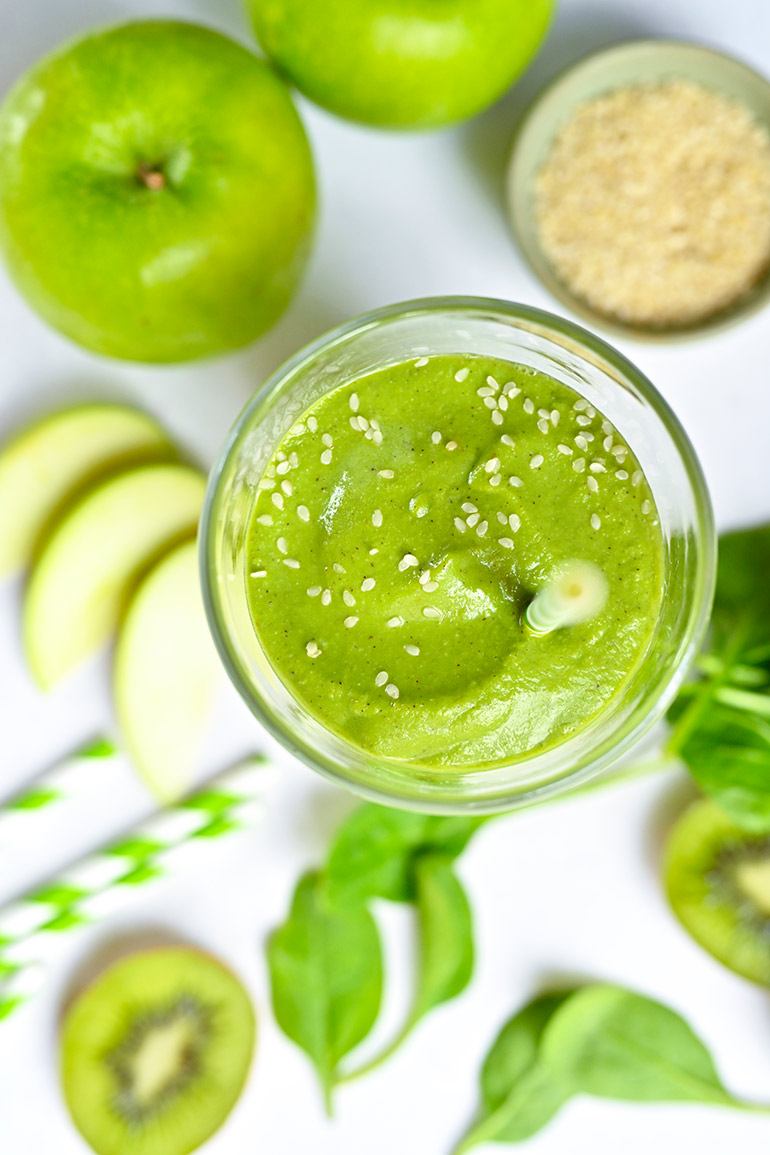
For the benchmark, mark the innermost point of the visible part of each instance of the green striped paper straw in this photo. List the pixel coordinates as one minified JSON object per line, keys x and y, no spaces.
{"x":102,"y":883}
{"x":72,"y":778}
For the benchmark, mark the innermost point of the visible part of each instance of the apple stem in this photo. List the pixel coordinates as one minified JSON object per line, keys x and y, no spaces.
{"x":151,"y":178}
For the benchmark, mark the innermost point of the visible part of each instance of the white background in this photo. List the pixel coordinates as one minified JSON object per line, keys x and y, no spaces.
{"x":572,"y":890}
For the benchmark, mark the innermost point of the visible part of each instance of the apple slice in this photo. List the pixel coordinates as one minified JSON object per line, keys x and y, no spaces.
{"x":88,"y":566}
{"x":167,"y":674}
{"x":48,"y":461}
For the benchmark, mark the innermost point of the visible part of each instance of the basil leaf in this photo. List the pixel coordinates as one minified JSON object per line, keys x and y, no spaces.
{"x":373,"y":851}
{"x":326,"y":976}
{"x":613,"y":1043}
{"x":446,"y":934}
{"x":728,"y":755}
{"x":741,"y":615}
{"x":519,"y":1096}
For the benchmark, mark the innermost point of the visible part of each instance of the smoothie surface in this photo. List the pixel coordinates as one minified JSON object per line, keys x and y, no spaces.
{"x":402,"y":527}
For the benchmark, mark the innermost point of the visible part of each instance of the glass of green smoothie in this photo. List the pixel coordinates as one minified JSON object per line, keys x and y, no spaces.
{"x":458,"y":555}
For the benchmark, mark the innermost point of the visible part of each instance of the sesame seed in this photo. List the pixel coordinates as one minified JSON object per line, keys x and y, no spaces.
{"x":581,"y":442}
{"x":283,"y":467}
{"x":327,"y":439}
{"x":622,"y":475}
{"x":646,"y":507}
{"x":435,"y":437}
{"x":287,"y":488}
{"x":492,"y":465}
{"x":312,"y":424}
{"x":515,"y":522}
{"x":494,"y":383}
{"x":543,"y":413}
{"x":422,"y":361}
{"x":543,"y":425}
{"x":467,"y":507}
{"x":258,"y":573}
{"x":503,"y":403}
{"x":277,"y":500}
{"x":265,"y":519}
{"x":597,"y":467}
{"x":313,"y":591}
{"x":377,"y":517}
{"x":367,"y":584}
{"x":580,"y":404}
{"x":619,"y":451}
{"x":281,"y":455}
{"x":326,"y":457}
{"x":497,"y":418}
{"x":326,"y":598}
{"x":460,"y":525}
{"x":377,"y":437}
{"x":391,"y":690}
{"x":495,"y":480}
{"x":381,"y":678}
{"x":354,"y":423}
{"x":394,"y":623}
{"x":637,"y":477}
{"x":502,"y":518}
{"x":354,"y":402}
{"x":579,"y":464}
{"x":413,"y":651}
{"x":583,"y":420}
{"x":373,"y":552}
{"x":407,"y":561}
{"x":490,"y":402}
{"x":471,"y":520}
{"x":339,"y":568}
{"x":350,"y":622}
{"x":450,"y":445}
{"x":303,"y":512}
{"x":596,"y":521}
{"x":424,"y":577}
{"x":515,"y":481}
{"x":348,"y":598}
{"x":291,"y":562}
{"x":508,"y":440}
{"x":293,"y":460}
{"x":590,"y":411}
{"x":529,"y":405}
{"x":565,"y":449}
{"x":363,"y":424}
{"x":555,"y":417}
{"x":462,"y":375}
{"x":536,"y":461}
{"x":387,"y":474}
{"x":282,"y":545}
{"x":312,"y":649}
{"x":512,"y":389}
{"x":593,"y":484}
{"x":607,"y":443}
{"x":482,"y":529}
{"x":485,"y":391}
{"x":299,"y":429}
{"x":505,"y":542}
{"x":431,"y":612}
{"x":607,"y":427}
{"x":430,"y":587}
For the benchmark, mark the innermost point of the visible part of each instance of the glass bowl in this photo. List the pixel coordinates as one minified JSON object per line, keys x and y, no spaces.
{"x":515,"y":333}
{"x":637,"y":62}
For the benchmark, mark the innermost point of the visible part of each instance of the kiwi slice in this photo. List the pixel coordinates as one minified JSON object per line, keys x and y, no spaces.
{"x":718,"y":883}
{"x":155,"y":1053}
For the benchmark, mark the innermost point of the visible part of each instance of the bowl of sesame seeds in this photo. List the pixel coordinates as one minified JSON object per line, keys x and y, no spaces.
{"x":639,"y":189}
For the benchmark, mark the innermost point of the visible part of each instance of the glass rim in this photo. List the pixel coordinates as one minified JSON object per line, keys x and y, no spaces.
{"x":552,"y":327}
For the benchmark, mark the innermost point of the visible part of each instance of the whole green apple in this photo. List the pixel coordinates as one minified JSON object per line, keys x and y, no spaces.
{"x":402,"y":63}
{"x":156,"y":191}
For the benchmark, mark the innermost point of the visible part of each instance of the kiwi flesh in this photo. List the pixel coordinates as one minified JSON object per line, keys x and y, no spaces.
{"x":718,"y":883}
{"x":155,"y":1053}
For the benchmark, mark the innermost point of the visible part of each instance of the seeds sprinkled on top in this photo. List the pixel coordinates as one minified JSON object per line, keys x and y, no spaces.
{"x":282,"y":545}
{"x":381,"y":678}
{"x":407,"y":561}
{"x":419,"y":363}
{"x":339,"y":568}
{"x":497,"y":418}
{"x":462,"y":375}
{"x":312,"y":649}
{"x":505,"y":542}
{"x":265,"y":519}
{"x":529,"y":406}
{"x":391,"y":690}
{"x":394,"y":623}
{"x":460,"y":525}
{"x":377,"y":517}
{"x":596,"y":521}
{"x":313,"y":591}
{"x":277,"y":500}
{"x":367,"y":584}
{"x":387,"y":474}
{"x":515,"y":481}
{"x":303,"y":512}
{"x":326,"y":598}
{"x":413,"y":651}
{"x":536,"y":461}
{"x":592,"y":484}
{"x":326,"y":457}
{"x":450,"y":445}
{"x":291,"y":562}
{"x":432,"y":612}
{"x":350,"y":622}
{"x":508,"y":440}
{"x":354,"y":402}
{"x":348,"y":598}
{"x":327,"y":439}
{"x":435,"y":437}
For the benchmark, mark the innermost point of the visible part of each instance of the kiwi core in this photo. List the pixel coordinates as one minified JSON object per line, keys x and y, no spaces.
{"x":752,"y":879}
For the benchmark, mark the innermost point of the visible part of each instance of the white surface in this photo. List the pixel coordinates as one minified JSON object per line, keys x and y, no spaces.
{"x":570,"y":890}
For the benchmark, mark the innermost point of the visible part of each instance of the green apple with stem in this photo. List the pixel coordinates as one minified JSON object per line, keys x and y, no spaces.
{"x":156,"y":191}
{"x":402,"y":63}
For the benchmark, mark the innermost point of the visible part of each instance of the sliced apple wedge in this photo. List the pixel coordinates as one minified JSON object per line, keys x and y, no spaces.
{"x":88,"y":566}
{"x":53,"y":458}
{"x":167,"y":674}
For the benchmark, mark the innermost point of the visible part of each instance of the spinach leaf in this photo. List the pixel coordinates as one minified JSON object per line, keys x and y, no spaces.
{"x":518,"y":1095}
{"x":728,"y":755}
{"x":326,"y":976}
{"x":741,"y":615}
{"x":616,"y":1044}
{"x":373,"y":851}
{"x":446,"y":934}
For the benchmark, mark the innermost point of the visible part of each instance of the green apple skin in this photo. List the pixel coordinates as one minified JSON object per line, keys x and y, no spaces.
{"x":157,"y":194}
{"x":402,"y":63}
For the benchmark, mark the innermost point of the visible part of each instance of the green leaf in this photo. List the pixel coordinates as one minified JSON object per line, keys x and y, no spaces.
{"x":446,"y":934}
{"x":741,"y":616}
{"x":326,"y":974}
{"x":728,"y":754}
{"x":519,"y":1097}
{"x":101,"y":748}
{"x":373,"y":851}
{"x":616,"y":1044}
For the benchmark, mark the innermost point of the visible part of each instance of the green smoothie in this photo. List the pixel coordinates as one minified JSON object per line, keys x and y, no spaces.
{"x":400,"y":531}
